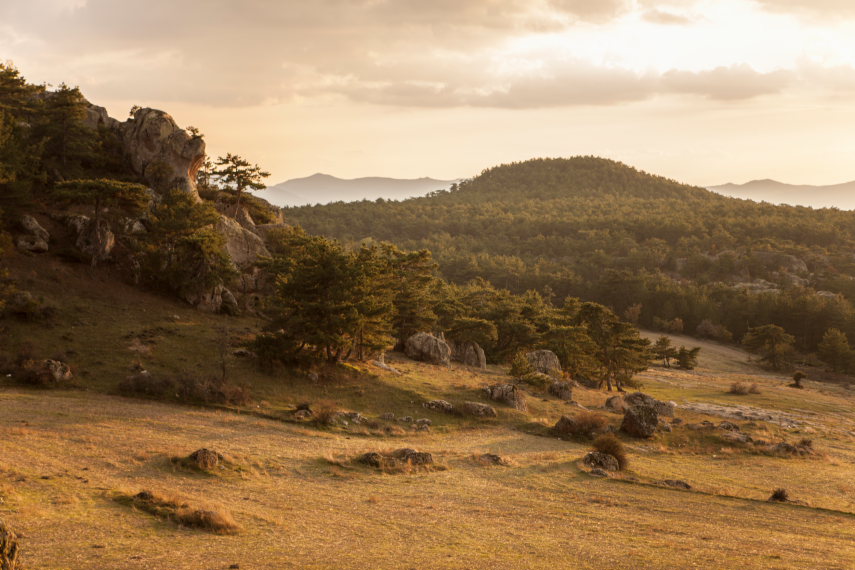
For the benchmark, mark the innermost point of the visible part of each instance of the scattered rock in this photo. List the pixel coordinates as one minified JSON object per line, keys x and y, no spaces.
{"x":439,"y":405}
{"x":406,"y":419}
{"x":615,"y":404}
{"x":388,"y":417}
{"x":243,"y":353}
{"x":423,"y":422}
{"x":303,"y":414}
{"x":664,"y":426}
{"x":640,"y":421}
{"x":736,"y":437}
{"x":566,"y":425}
{"x":729,"y":426}
{"x":676,"y":483}
{"x":544,"y":361}
{"x":35,"y":239}
{"x":509,"y":394}
{"x":206,"y":459}
{"x":639,"y":399}
{"x":9,"y":551}
{"x":600,"y":460}
{"x":354,"y":417}
{"x":469,"y":353}
{"x":562,"y":390}
{"x":383,"y":366}
{"x":478,"y":409}
{"x":372,"y":459}
{"x":425,"y":347}
{"x":412,"y":456}
{"x":597,"y":472}
{"x":492,"y":459}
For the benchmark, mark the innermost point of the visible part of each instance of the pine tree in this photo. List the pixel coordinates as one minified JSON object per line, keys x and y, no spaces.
{"x":772,"y":343}
{"x":238,"y":175}
{"x":687,"y":358}
{"x":834,"y":350}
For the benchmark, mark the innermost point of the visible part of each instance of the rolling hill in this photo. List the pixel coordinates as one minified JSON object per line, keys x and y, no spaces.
{"x":323,"y":188}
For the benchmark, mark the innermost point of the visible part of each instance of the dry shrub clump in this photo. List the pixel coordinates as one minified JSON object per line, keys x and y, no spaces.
{"x":326,"y":412}
{"x":611,"y":445}
{"x":780,"y":495}
{"x":185,"y":388}
{"x":582,"y":425}
{"x":742,"y":389}
{"x":180,"y":512}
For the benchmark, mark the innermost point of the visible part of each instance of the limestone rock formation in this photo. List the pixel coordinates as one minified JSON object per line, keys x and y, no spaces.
{"x":562,"y":390}
{"x":509,"y":394}
{"x":544,"y":361}
{"x":469,"y":353}
{"x":478,"y":410}
{"x":95,"y":241}
{"x":425,"y":347}
{"x":244,"y":246}
{"x":566,"y":425}
{"x":596,"y":459}
{"x":439,"y":406}
{"x":640,"y":421}
{"x":35,"y":238}
{"x":615,"y":404}
{"x":639,"y":398}
{"x":164,"y":154}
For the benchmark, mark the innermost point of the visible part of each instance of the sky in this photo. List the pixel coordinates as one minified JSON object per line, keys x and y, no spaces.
{"x":702,"y":91}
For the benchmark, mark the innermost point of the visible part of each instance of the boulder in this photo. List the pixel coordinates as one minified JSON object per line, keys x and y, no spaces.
{"x":98,"y":118}
{"x":562,"y":390}
{"x":206,"y":459}
{"x":492,"y":459}
{"x":597,"y":472}
{"x":469,"y":353}
{"x":566,"y":425}
{"x":615,"y":404}
{"x":413,"y":457}
{"x":439,"y":405}
{"x":372,"y":459}
{"x":676,"y":483}
{"x":509,"y":394}
{"x":35,"y":238}
{"x":8,"y":548}
{"x":243,"y":246}
{"x":640,"y":421}
{"x":544,"y":361}
{"x":425,"y":347}
{"x":95,"y":241}
{"x":596,"y":459}
{"x":162,"y":153}
{"x":639,"y":398}
{"x":478,"y":410}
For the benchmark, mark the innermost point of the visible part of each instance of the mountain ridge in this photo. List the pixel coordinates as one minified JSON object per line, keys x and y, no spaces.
{"x":841,"y":195}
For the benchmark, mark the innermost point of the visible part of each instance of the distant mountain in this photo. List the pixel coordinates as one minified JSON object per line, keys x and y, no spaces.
{"x":833,"y":196}
{"x":323,"y":189}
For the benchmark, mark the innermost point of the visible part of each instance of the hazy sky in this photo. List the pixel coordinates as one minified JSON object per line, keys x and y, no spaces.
{"x":705,"y":91}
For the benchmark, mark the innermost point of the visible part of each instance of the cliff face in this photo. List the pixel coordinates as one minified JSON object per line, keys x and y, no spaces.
{"x":157,"y":149}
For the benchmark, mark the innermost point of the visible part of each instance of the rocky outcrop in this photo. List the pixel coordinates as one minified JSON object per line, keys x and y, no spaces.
{"x":94,"y":241}
{"x":477,"y":410}
{"x":640,"y":421}
{"x":509,"y":394}
{"x":469,"y":353}
{"x":34,"y":239}
{"x":562,"y":390}
{"x":162,"y":153}
{"x":425,"y":347}
{"x":639,"y":398}
{"x":8,"y":548}
{"x":544,"y":361}
{"x":439,"y":406}
{"x":615,"y":404}
{"x":205,"y":459}
{"x":596,"y":459}
{"x":244,"y":246}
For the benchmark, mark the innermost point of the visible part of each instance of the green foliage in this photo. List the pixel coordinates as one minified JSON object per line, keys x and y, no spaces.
{"x":663,"y":350}
{"x":687,"y":358}
{"x":620,"y":351}
{"x":772,"y":343}
{"x":835,"y":351}
{"x":677,"y":258}
{"x":520,"y":366}
{"x":238,"y":175}
{"x":181,"y":252}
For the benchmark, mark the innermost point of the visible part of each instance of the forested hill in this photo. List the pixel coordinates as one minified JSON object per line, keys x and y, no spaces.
{"x":664,"y":253}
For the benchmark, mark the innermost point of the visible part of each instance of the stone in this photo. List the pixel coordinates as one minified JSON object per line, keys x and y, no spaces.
{"x":35,"y":239}
{"x":412,"y":456}
{"x":425,"y":347}
{"x":492,"y":459}
{"x":406,"y":420}
{"x":565,"y":425}
{"x":95,"y":241}
{"x":162,"y":153}
{"x":388,"y":416}
{"x":243,"y":353}
{"x":31,"y":226}
{"x":728,"y":426}
{"x":597,"y":472}
{"x":676,"y":483}
{"x":354,"y":417}
{"x":423,"y":422}
{"x":478,"y":410}
{"x":509,"y":394}
{"x":372,"y":459}
{"x":243,"y":246}
{"x":663,"y":426}
{"x":736,"y":437}
{"x":9,"y":551}
{"x":562,"y":390}
{"x":639,"y":398}
{"x":206,"y":459}
{"x":303,"y":414}
{"x":468,"y":353}
{"x":640,"y":421}
{"x":615,"y":404}
{"x":544,"y":361}
{"x":601,"y":460}
{"x":439,"y":405}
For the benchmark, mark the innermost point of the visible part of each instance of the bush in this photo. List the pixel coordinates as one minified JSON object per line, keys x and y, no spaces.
{"x":742,"y":389}
{"x":582,"y":425}
{"x":144,"y":384}
{"x":180,"y":512}
{"x":611,"y":445}
{"x":780,"y":495}
{"x":193,"y":389}
{"x":325,"y":412}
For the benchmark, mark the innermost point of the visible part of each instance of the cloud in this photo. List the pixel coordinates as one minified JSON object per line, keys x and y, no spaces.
{"x":737,"y":82}
{"x":664,"y":18}
{"x":821,"y":9}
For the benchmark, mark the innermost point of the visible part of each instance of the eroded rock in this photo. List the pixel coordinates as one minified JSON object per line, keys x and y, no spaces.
{"x":562,"y":390}
{"x":596,"y":459}
{"x":544,"y":361}
{"x":478,"y":410}
{"x":640,"y":421}
{"x":425,"y":347}
{"x":509,"y":394}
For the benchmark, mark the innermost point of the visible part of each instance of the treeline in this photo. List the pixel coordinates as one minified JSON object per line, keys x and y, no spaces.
{"x":662,"y":254}
{"x":334,"y":302}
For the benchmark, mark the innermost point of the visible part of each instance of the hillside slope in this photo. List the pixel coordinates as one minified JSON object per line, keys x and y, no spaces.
{"x":601,"y":230}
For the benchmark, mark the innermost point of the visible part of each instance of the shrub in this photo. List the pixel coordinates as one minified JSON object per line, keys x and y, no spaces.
{"x":582,"y":425}
{"x":739,"y":388}
{"x":325,"y":412}
{"x":144,"y":384}
{"x":194,"y":389}
{"x":753,"y":389}
{"x":780,"y":495}
{"x":180,"y":512}
{"x":520,"y":366}
{"x":611,"y":445}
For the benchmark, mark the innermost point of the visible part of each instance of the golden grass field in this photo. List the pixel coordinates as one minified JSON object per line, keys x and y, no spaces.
{"x":65,"y":456}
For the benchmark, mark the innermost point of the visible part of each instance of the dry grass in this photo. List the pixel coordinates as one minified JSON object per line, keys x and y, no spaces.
{"x":743,"y":389}
{"x":178,"y":510}
{"x":609,"y":444}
